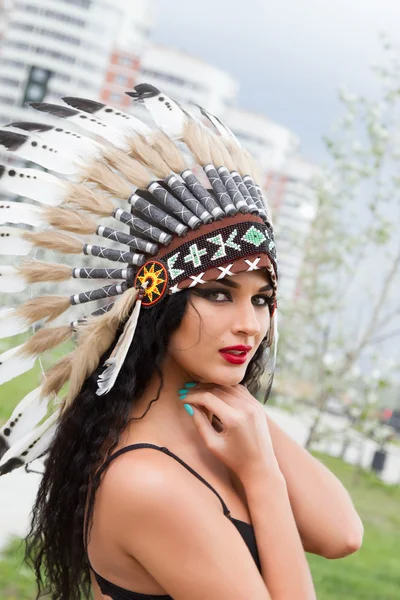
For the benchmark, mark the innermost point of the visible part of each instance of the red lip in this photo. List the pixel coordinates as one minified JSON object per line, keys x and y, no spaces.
{"x":235,"y":359}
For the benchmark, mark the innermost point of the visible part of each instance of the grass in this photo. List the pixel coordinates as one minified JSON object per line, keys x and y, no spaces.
{"x":16,"y":579}
{"x":372,"y":573}
{"x":13,"y":391}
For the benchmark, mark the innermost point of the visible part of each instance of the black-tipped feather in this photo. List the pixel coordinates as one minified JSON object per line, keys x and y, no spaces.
{"x":143,"y":90}
{"x":89,"y":106}
{"x":4,"y":446}
{"x":54,"y":109}
{"x":12,"y":141}
{"x":28,"y":126}
{"x":13,"y":463}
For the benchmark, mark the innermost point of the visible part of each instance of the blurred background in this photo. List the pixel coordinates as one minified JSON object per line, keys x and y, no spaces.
{"x":312,"y":89}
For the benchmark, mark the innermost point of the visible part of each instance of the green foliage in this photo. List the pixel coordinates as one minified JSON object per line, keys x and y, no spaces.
{"x":16,"y":579}
{"x":355,"y":224}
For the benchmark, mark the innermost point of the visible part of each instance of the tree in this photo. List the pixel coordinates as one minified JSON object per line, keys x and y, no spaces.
{"x":347,"y":310}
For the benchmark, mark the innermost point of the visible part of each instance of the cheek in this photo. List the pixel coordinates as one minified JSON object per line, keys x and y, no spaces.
{"x":265,"y":324}
{"x":201,"y":327}
{"x":188,"y":333}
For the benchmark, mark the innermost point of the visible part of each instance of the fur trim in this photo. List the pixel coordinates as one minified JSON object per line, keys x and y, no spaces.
{"x":196,"y":139}
{"x":34,"y":271}
{"x":94,"y":339}
{"x":90,"y":200}
{"x":57,"y":376}
{"x":46,"y":339}
{"x":54,"y":240}
{"x":170,"y":153}
{"x":103,"y":177}
{"x":43,"y":307}
{"x":69,"y":219}
{"x":131,"y":169}
{"x":147,"y":154}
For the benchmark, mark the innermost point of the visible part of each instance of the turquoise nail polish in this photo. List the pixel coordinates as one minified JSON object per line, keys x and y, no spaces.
{"x":182,"y":397}
{"x":189,"y":409}
{"x":189,"y":385}
{"x":182,"y":391}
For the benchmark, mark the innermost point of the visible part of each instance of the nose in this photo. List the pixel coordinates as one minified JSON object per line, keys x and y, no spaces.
{"x":245,"y":320}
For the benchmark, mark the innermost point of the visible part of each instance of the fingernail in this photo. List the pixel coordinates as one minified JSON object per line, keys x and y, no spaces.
{"x":182,"y":391}
{"x":189,"y":385}
{"x":189,"y":409}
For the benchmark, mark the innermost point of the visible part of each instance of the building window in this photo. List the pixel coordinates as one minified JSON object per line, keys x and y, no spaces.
{"x":121,"y":79}
{"x":80,"y":3}
{"x":9,"y":62}
{"x":184,"y":83}
{"x":9,"y":81}
{"x":6,"y":100}
{"x":125,"y":61}
{"x":56,"y":35}
{"x":51,"y":14}
{"x":117,"y":98}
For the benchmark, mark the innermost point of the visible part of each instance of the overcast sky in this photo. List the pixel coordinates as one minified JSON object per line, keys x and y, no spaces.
{"x":289,"y":56}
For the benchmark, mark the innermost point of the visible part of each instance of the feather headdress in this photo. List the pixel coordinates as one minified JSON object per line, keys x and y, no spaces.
{"x":179,"y":232}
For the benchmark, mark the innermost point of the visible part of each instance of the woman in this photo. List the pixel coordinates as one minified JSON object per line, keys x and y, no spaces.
{"x":135,"y":479}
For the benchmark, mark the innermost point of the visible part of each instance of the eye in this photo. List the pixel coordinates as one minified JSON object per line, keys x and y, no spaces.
{"x":262,"y":300}
{"x":216,"y":296}
{"x":213,"y":295}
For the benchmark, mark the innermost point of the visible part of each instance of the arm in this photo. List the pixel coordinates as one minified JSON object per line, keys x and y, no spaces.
{"x":284,"y":565}
{"x":325,"y":516}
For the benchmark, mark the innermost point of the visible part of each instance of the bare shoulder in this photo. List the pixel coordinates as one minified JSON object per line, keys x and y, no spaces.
{"x":178,"y":532}
{"x":136,"y":475}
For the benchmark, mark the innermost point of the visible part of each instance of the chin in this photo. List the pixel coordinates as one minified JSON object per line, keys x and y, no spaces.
{"x":232,"y":377}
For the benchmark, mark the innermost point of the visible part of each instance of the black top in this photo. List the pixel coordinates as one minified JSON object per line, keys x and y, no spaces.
{"x":117,"y":593}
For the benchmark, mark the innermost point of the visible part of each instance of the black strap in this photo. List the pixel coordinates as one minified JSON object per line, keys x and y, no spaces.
{"x":128,"y":449}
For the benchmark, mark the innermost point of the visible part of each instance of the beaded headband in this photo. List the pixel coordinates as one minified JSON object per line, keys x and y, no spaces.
{"x":180,"y":233}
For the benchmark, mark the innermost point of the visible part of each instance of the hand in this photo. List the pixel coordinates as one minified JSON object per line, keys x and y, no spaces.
{"x":241,"y":440}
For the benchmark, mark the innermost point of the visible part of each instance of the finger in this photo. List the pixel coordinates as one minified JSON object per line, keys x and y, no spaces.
{"x":203,"y":425}
{"x":235,"y":395}
{"x":244,"y":392}
{"x":228,"y":395}
{"x":212,"y":403}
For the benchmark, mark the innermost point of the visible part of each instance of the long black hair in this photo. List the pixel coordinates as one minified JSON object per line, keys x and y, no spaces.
{"x":89,"y":431}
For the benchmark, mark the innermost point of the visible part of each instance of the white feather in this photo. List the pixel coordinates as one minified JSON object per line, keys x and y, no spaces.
{"x":12,"y":365}
{"x":25,"y":416}
{"x":12,"y":242}
{"x":11,"y":281}
{"x":11,"y":324}
{"x":71,"y":140}
{"x":223,"y":129}
{"x":91,"y":124}
{"x":19,"y":212}
{"x":48,"y":157}
{"x":170,"y":120}
{"x":40,"y":439}
{"x":116,"y":118}
{"x":109,"y":133}
{"x":114,"y":363}
{"x":34,"y":184}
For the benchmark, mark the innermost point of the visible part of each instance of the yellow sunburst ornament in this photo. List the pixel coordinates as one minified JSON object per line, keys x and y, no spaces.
{"x":155,"y":274}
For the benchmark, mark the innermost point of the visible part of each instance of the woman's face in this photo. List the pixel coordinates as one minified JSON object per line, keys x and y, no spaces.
{"x":224,"y":323}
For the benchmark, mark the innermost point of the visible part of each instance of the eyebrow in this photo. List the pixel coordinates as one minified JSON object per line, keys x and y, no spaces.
{"x":232,"y":284}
